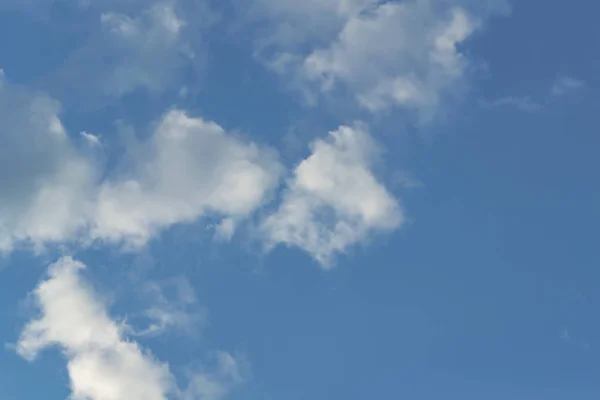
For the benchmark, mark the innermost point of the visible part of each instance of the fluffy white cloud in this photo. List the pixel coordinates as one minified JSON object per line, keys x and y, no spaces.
{"x":334,"y":200}
{"x":384,"y":54}
{"x":45,"y":184}
{"x":188,"y":168}
{"x":102,"y":363}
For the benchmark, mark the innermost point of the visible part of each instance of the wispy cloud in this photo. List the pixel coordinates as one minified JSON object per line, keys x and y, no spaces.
{"x":562,"y":86}
{"x":567,"y":337}
{"x":168,"y":306}
{"x":566,"y":84}
{"x":524,"y":103}
{"x":132,"y":47}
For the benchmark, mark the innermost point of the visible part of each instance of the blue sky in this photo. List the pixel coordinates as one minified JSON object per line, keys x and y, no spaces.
{"x":284,"y":200}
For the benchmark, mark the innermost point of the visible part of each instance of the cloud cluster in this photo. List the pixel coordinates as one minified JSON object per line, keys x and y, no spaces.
{"x":382,"y":54}
{"x":186,"y":169}
{"x":102,"y":363}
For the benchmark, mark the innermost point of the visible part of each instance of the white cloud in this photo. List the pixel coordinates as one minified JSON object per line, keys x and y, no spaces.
{"x":566,"y":84}
{"x":45,"y":184}
{"x":397,"y":54}
{"x":188,"y":168}
{"x":334,"y":200}
{"x":102,"y":363}
{"x":384,"y":54}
